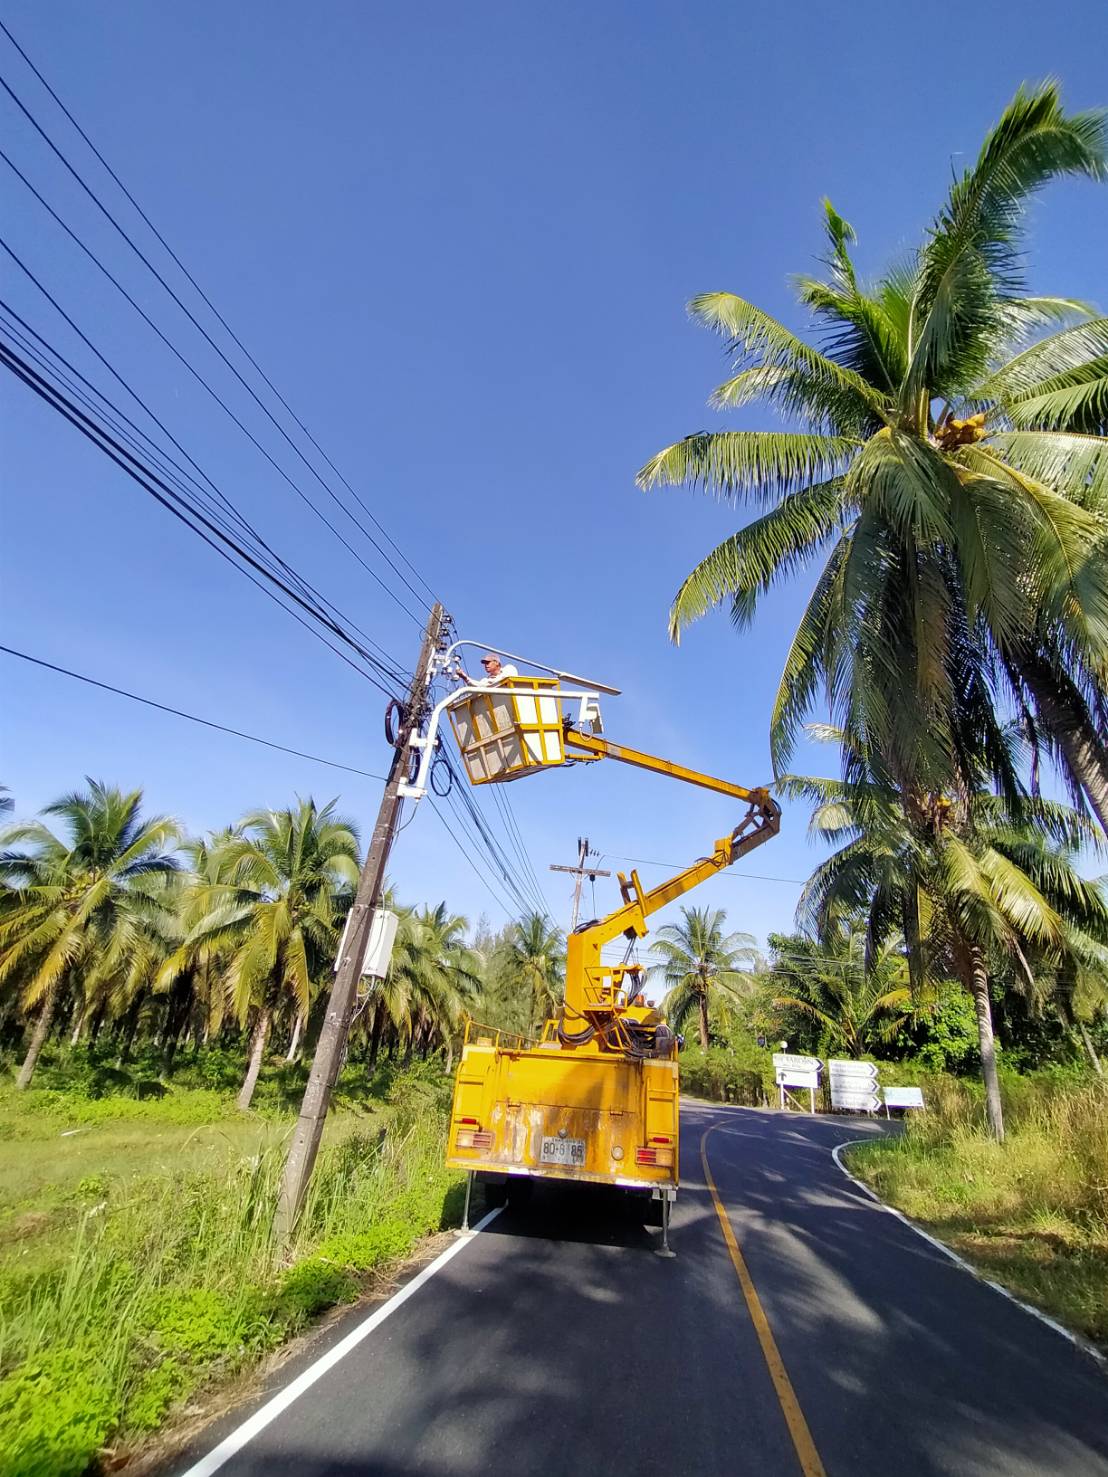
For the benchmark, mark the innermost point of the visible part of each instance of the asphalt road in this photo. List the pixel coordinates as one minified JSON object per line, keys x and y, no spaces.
{"x":555,"y":1342}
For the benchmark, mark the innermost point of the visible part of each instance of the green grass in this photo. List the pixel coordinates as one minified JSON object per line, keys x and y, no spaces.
{"x":137,"y":1262}
{"x":60,"y":1152}
{"x":1031,"y":1213}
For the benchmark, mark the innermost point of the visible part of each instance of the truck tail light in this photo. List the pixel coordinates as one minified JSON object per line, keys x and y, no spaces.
{"x":472,"y":1138}
{"x":662,"y":1158}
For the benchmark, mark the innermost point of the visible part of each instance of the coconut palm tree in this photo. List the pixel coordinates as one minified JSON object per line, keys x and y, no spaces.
{"x":190,"y":974}
{"x":84,"y":903}
{"x":534,"y":961}
{"x":855,"y":1004}
{"x":434,"y":973}
{"x":698,"y":960}
{"x":286,"y":878}
{"x":975,"y":887}
{"x":948,"y":476}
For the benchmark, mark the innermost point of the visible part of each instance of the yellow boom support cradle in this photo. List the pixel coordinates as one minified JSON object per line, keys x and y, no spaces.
{"x":596,"y":1098}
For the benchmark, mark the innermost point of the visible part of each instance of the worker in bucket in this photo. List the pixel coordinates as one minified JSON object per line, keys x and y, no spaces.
{"x":495,"y":672}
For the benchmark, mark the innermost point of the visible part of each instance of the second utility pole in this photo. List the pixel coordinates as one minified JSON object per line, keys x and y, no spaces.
{"x":336,"y":1025}
{"x":580,"y":871}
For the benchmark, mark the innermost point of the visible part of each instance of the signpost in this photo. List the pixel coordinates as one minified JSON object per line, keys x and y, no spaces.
{"x":902,"y":1097}
{"x":854,"y":1086}
{"x":797,"y":1073}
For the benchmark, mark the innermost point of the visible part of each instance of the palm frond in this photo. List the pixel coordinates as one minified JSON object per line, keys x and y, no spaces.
{"x":1075,"y":402}
{"x":779,"y":543}
{"x":805,"y":662}
{"x":759,"y":339}
{"x":1062,"y":353}
{"x":756,"y":466}
{"x":971,"y":262}
{"x":1074,"y":465}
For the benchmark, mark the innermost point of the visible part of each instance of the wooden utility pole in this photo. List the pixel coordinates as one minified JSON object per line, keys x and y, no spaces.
{"x":580,"y":871}
{"x":336,"y":1025}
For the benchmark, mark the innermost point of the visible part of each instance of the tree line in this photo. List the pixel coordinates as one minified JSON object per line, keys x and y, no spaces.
{"x":117,"y":931}
{"x":115,"y":926}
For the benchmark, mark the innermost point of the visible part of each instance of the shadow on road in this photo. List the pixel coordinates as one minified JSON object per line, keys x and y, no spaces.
{"x":596,"y":1215}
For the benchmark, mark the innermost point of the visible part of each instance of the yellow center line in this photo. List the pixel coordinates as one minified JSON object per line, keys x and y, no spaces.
{"x":806,"y":1452}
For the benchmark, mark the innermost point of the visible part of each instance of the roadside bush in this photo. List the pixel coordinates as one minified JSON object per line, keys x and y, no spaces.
{"x":79,"y":1109}
{"x":311,"y":1286}
{"x":156,"y":1391}
{"x":198,"y":1323}
{"x":56,"y":1410}
{"x":361,"y":1251}
{"x":721,"y":1076}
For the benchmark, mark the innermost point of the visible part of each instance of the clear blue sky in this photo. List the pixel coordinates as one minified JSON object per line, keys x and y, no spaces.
{"x":460,"y":239}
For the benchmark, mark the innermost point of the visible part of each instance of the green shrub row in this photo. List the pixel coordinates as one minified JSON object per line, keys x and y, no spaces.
{"x":722,"y":1076}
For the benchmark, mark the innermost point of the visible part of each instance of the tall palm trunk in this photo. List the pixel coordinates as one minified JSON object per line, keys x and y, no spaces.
{"x":1064,"y":714}
{"x":1090,"y":1050}
{"x":130,"y":1026}
{"x":177,"y":1012}
{"x":979,"y":988}
{"x":375,"y":1036}
{"x":702,"y":1010}
{"x":38,"y":1038}
{"x":294,"y":1045}
{"x":257,"y":1052}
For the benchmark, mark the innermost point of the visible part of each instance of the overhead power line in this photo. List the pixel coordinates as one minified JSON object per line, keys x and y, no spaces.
{"x":215,"y":503}
{"x":644,"y":861}
{"x":180,"y":713}
{"x":483,"y":844}
{"x":204,"y":298}
{"x":173,"y":503}
{"x":528,"y":899}
{"x":511,"y":827}
{"x":482,"y":877}
{"x":219,"y":400}
{"x":485,"y":883}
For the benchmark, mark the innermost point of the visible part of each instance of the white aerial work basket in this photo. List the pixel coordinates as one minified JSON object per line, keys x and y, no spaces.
{"x":510,"y":730}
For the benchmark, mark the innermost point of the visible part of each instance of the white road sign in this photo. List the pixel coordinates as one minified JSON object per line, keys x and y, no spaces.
{"x":784,"y":1061}
{"x":855,"y":1099}
{"x":903,"y":1097}
{"x":852,"y":1071}
{"x":790,"y":1077}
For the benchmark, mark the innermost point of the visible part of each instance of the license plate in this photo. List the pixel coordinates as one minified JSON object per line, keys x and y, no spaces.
{"x":563,"y":1151}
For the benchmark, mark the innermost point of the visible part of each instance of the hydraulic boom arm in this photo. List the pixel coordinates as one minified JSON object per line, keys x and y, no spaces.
{"x":593,"y":990}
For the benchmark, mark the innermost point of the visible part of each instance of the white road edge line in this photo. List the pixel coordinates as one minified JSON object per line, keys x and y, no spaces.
{"x":1068,"y":1334}
{"x":245,"y":1433}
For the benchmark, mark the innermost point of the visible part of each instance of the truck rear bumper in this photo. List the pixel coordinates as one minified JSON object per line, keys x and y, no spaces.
{"x":564,"y":1176}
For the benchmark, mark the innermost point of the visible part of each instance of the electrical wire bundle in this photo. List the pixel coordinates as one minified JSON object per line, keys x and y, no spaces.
{"x":127,"y":429}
